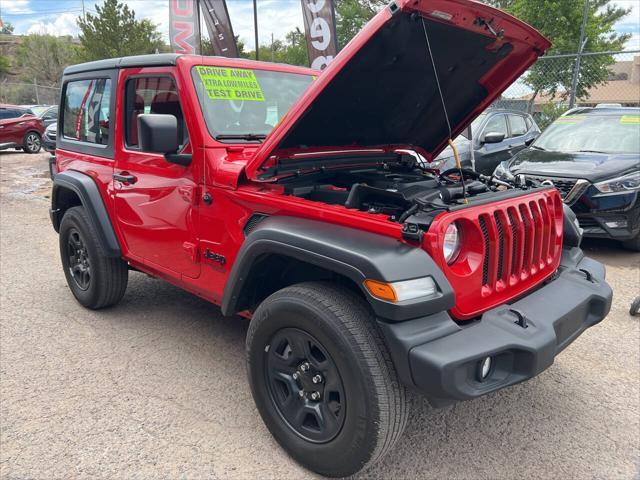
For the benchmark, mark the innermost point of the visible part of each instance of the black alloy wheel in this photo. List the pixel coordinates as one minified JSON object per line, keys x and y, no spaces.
{"x":305,"y":385}
{"x":79,"y":262}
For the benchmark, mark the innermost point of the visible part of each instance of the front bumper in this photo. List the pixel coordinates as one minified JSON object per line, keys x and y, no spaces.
{"x":440,"y":357}
{"x":609,"y":216}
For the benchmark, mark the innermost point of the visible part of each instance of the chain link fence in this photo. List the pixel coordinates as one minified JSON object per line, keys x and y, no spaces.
{"x":16,"y":93}
{"x":545,"y":90}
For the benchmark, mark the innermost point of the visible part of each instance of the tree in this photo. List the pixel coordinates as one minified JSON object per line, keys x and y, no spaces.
{"x":352,"y":15}
{"x":560,"y":21}
{"x":4,"y":65}
{"x":43,"y":58}
{"x":6,"y":28}
{"x":115,"y":32}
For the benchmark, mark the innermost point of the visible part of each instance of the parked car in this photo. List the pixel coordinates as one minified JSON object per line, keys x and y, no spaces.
{"x":49,"y":138}
{"x":20,"y":129}
{"x":592,"y":155}
{"x":289,"y":201}
{"x":498,"y":134}
{"x":48,"y":113}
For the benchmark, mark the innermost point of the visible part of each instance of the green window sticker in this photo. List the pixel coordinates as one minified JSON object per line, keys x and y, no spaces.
{"x":630,"y":120}
{"x":230,"y":84}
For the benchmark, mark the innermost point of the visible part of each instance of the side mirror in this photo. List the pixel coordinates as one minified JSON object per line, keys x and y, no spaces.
{"x":158,"y":133}
{"x":493,"y":137}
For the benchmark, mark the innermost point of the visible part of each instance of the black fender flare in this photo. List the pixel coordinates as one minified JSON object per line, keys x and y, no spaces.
{"x":355,"y":254}
{"x":87,"y":191}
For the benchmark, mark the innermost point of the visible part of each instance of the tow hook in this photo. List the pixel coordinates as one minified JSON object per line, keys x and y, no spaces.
{"x":521,"y":319}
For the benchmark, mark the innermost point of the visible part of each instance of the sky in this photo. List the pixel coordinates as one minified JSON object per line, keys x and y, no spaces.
{"x":275,"y":17}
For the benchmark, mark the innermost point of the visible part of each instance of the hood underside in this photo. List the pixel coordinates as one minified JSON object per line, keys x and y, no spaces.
{"x":382,"y":90}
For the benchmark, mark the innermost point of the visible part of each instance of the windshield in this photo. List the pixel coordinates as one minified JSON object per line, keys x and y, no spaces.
{"x":243,"y":104}
{"x":592,"y":133}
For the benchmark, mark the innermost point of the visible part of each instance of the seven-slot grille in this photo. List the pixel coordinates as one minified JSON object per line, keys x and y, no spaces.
{"x":517,"y":242}
{"x":508,"y":247}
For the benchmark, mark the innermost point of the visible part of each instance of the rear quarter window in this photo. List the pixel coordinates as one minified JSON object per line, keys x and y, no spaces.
{"x":86,"y":111}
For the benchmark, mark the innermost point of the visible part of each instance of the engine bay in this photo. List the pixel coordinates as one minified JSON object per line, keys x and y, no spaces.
{"x":401,"y":189}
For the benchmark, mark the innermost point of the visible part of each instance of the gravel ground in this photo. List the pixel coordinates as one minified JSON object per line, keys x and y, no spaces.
{"x":156,"y":387}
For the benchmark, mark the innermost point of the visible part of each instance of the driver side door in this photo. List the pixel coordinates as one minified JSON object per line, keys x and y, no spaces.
{"x":155,"y":201}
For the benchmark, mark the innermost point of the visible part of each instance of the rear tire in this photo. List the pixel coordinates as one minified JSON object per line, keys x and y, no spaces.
{"x":32,"y":142}
{"x":633,"y":244}
{"x":97,"y":281}
{"x":362,"y":408}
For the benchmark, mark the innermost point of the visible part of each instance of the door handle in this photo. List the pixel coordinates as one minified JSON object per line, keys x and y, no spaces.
{"x":125,"y":178}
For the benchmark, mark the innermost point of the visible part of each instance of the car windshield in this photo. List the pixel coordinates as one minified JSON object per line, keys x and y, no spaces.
{"x":243,"y":104}
{"x":475,"y":126}
{"x":592,"y":133}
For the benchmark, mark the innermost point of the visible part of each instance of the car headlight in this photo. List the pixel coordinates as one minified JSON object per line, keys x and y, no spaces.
{"x":502,"y":171}
{"x":402,"y":291}
{"x":624,"y":184}
{"x":451,"y":245}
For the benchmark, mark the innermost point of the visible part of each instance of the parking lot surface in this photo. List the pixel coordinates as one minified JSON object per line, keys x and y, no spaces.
{"x":156,"y":387}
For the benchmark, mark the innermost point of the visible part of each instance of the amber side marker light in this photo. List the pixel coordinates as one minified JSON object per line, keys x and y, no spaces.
{"x":401,"y":291}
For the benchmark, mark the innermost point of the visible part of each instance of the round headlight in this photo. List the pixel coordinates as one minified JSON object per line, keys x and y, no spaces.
{"x":451,"y":246}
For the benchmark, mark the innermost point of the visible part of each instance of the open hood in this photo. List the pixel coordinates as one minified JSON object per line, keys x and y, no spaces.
{"x":382,"y":91}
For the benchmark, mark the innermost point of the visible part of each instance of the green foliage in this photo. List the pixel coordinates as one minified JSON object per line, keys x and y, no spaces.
{"x":352,"y":15}
{"x":43,"y":58}
{"x":548,"y":114}
{"x":560,"y":21}
{"x":115,"y":32}
{"x":6,"y":28}
{"x":293,"y":50}
{"x":5,"y":65}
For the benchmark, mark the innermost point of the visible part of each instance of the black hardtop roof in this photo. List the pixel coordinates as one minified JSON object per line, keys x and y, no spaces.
{"x":155,"y":60}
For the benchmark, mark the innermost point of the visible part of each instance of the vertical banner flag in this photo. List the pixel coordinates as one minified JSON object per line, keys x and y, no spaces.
{"x":184,"y":26}
{"x":320,"y":27}
{"x":216,"y":17}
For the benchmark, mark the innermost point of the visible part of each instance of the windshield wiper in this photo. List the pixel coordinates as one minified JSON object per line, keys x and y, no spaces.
{"x":591,"y":151}
{"x":539,"y":148}
{"x":242,"y":136}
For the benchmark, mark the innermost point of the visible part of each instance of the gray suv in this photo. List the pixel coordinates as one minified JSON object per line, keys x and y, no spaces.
{"x":497,"y":136}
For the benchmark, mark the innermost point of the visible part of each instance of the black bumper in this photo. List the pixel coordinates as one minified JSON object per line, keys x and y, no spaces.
{"x":441,"y":358}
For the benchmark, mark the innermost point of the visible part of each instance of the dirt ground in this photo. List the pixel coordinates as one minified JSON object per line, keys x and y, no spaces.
{"x":156,"y":387}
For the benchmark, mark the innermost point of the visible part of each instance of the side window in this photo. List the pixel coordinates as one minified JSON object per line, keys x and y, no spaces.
{"x":151,"y":95}
{"x":529,"y":123}
{"x":87,"y":110}
{"x":497,"y":124}
{"x":51,"y":114}
{"x":518,"y":125}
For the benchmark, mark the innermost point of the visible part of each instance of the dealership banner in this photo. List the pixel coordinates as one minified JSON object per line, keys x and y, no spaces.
{"x":320,"y":27}
{"x":216,"y":17}
{"x":184,"y":26}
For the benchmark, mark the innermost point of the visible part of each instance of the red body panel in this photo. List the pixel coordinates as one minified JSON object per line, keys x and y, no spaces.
{"x":164,"y":228}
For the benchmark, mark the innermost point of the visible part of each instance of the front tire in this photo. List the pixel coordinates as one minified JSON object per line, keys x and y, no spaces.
{"x":97,"y":281}
{"x":32,"y":142}
{"x":323,"y":380}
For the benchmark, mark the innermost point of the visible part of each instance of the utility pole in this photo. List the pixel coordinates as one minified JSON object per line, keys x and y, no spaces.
{"x":576,"y":70}
{"x":255,"y":26}
{"x":84,"y":17}
{"x":273,"y":52}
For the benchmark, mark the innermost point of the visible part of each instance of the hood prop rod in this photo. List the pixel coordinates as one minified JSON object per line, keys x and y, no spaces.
{"x":446,"y":114}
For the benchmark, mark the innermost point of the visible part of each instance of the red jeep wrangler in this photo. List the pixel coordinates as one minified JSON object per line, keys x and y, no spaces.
{"x":305,"y":202}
